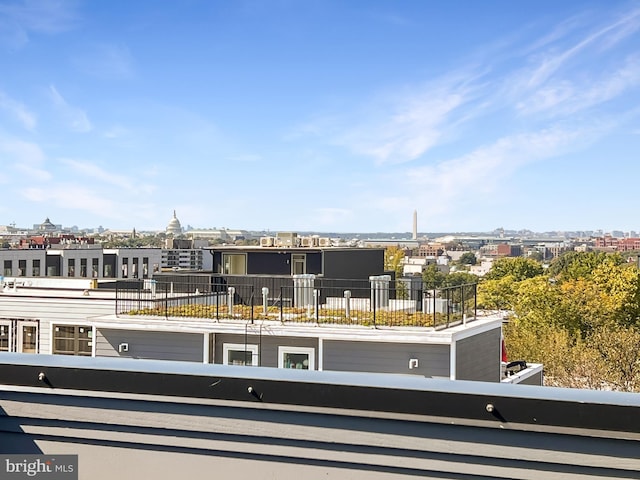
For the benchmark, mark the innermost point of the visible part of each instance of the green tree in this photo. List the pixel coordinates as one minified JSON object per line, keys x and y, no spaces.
{"x":432,"y":277}
{"x":619,"y":350}
{"x":574,"y":265}
{"x":460,"y":278}
{"x":467,"y":258}
{"x":518,"y":267}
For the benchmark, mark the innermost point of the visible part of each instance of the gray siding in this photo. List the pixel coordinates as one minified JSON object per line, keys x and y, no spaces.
{"x":536,"y":379}
{"x":433,"y":360}
{"x":268,"y":346}
{"x":478,"y":357}
{"x":187,"y":347}
{"x":50,"y":310}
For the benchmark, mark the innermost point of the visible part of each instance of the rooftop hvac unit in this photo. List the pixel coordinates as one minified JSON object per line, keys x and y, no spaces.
{"x":324,"y":242}
{"x":306,"y":242}
{"x":266,"y":241}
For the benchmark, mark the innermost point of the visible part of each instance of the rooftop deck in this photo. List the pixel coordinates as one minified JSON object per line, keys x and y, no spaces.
{"x":303,"y":299}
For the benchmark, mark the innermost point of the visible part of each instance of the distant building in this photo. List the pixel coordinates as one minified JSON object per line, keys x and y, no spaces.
{"x":174,"y":228}
{"x":617,"y":244}
{"x":432,"y":249}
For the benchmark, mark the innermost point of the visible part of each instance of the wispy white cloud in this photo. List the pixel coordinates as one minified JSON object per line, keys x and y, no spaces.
{"x":25,"y":157}
{"x":568,"y":96}
{"x":116,"y":131}
{"x":483,"y":171}
{"x":76,"y":118}
{"x":124,"y":182}
{"x":74,"y":197}
{"x":106,"y":61}
{"x":19,"y":111}
{"x":20,"y":19}
{"x":554,"y":56}
{"x":406,"y":127}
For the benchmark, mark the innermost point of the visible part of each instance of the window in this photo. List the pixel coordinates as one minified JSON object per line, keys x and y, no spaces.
{"x":145,"y":267}
{"x":239,"y":354}
{"x":234,"y":264}
{"x":71,"y":267}
{"x":125,"y":267}
{"x":94,"y":267}
{"x":134,"y":268}
{"x":72,"y":340}
{"x":8,"y":268}
{"x":22,"y":268}
{"x":5,"y":336}
{"x":36,"y":268}
{"x":298,"y":264}
{"x":301,"y":358}
{"x":27,"y":336}
{"x":19,"y":335}
{"x":83,"y":267}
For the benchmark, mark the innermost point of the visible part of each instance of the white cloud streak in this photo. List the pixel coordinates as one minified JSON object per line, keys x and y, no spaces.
{"x":106,"y":61}
{"x":28,"y":158}
{"x":17,"y":110}
{"x":20,"y":19}
{"x":93,"y":171}
{"x":76,"y":118}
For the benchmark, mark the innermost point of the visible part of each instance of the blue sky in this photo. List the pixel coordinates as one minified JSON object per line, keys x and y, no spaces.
{"x":342,"y":116}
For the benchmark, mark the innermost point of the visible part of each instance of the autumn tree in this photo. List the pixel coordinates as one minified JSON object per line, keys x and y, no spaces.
{"x":518,"y":267}
{"x":393,"y":260}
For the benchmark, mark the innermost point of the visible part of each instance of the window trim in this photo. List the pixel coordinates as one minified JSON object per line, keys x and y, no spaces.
{"x":240,"y":347}
{"x":226,"y":255}
{"x":310,"y":351}
{"x":9,"y":324}
{"x":20,"y":334}
{"x":54,"y":324}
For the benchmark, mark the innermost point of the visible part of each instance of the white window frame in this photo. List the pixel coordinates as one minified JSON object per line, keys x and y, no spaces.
{"x":310,"y":351}
{"x":239,"y":347}
{"x":20,"y":334}
{"x":298,"y":258}
{"x":52,"y":327}
{"x":8,"y":324}
{"x":229,"y":256}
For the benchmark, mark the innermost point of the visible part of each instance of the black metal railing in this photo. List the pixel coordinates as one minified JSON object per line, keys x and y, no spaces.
{"x":319,"y":300}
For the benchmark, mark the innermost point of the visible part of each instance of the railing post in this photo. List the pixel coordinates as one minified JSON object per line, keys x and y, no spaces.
{"x":230,"y":293}
{"x":265,"y":300}
{"x":448,"y":307}
{"x":347,"y":305}
{"x":166,"y":302}
{"x":252,"y":293}
{"x":316,"y":303}
{"x":475,"y":300}
{"x":281,"y":302}
{"x":435,"y":318}
{"x":375,"y":302}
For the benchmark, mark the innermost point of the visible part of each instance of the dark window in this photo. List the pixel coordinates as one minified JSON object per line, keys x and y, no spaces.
{"x":72,"y":340}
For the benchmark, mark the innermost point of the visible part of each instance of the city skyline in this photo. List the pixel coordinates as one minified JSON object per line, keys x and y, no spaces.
{"x":321,"y":116}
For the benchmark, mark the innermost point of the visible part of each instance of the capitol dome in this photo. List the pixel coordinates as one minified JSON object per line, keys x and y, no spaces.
{"x":174,"y":227}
